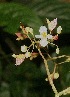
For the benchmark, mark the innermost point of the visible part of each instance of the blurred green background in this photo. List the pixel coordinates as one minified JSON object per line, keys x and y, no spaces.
{"x":28,"y":79}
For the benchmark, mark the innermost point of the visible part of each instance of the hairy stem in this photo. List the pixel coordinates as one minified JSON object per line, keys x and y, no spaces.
{"x":64,"y":92}
{"x":48,"y":73}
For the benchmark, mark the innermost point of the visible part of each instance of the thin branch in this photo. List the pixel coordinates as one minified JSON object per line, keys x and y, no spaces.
{"x":64,"y":92}
{"x":48,"y":73}
{"x":54,"y":58}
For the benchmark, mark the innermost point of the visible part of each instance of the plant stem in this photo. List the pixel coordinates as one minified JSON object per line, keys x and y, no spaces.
{"x":48,"y":73}
{"x":64,"y":92}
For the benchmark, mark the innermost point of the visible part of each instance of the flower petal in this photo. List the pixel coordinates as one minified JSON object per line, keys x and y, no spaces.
{"x":38,"y":36}
{"x":49,"y":36}
{"x":52,"y":24}
{"x":42,"y":29}
{"x":43,"y":42}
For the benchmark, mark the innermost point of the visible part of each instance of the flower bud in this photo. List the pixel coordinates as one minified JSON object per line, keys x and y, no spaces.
{"x":57,"y":50}
{"x":56,"y":75}
{"x":23,"y":48}
{"x":59,"y":29}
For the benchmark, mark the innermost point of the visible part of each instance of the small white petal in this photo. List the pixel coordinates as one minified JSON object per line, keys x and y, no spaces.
{"x":43,"y":42}
{"x":38,"y":36}
{"x":42,"y":29}
{"x":49,"y":36}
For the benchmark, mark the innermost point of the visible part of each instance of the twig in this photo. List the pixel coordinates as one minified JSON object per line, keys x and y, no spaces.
{"x":64,"y":92}
{"x":48,"y":73}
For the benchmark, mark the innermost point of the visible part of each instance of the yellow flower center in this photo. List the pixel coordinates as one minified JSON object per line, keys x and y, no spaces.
{"x":44,"y":34}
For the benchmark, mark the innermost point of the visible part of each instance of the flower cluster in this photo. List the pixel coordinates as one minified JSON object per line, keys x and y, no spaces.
{"x":46,"y":37}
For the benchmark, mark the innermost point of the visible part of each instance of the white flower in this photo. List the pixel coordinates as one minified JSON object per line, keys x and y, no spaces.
{"x":38,"y":36}
{"x":43,"y":36}
{"x":43,"y":42}
{"x":57,"y":50}
{"x":59,"y":29}
{"x":52,"y":24}
{"x":23,"y":48}
{"x":49,"y":36}
{"x":27,"y":54}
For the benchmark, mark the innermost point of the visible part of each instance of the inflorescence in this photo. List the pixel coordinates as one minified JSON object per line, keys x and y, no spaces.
{"x":46,"y":37}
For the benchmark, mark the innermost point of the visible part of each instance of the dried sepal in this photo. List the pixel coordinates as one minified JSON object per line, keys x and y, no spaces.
{"x":19,"y":35}
{"x":55,"y":37}
{"x":33,"y":55}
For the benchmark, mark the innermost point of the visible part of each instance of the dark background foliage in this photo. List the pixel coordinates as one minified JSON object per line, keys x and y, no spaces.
{"x":28,"y":79}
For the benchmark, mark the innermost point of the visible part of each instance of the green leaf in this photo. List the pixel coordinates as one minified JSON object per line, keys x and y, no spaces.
{"x":11,"y":14}
{"x":54,"y":9}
